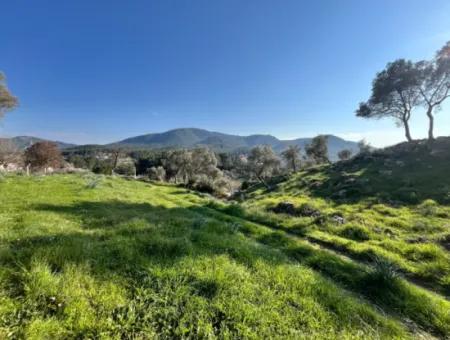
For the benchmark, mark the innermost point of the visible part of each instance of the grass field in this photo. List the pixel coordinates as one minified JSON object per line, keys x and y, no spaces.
{"x":101,"y":257}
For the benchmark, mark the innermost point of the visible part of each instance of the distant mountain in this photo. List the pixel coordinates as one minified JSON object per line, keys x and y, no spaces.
{"x":23,"y":142}
{"x":192,"y":137}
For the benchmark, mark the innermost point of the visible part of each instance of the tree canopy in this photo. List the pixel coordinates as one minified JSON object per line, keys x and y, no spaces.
{"x":394,"y":94}
{"x":7,"y":100}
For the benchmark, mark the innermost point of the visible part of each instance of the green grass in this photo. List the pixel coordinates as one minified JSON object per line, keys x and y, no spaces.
{"x":411,"y":232}
{"x":125,"y":259}
{"x":373,"y":239}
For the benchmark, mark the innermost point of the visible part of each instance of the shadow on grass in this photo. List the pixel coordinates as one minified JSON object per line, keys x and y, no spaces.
{"x":125,"y":237}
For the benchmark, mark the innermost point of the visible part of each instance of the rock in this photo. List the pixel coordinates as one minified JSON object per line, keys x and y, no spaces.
{"x":338,"y":219}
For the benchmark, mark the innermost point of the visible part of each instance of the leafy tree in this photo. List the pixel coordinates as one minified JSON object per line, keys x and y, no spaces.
{"x":78,"y":161}
{"x":344,"y":154}
{"x":126,"y":169}
{"x":435,"y":84}
{"x":42,"y":155}
{"x":102,"y":166}
{"x":7,"y":100}
{"x":185,"y":165}
{"x":395,"y":93}
{"x":292,"y":157}
{"x":318,"y":149}
{"x":178,"y":165}
{"x":262,"y":163}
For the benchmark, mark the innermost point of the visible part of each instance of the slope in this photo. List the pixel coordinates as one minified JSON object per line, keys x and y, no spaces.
{"x":106,"y":257}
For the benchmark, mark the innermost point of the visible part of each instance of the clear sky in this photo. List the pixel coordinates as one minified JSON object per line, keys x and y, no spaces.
{"x":94,"y":71}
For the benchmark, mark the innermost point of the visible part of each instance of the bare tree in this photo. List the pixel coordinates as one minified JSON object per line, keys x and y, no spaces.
{"x":7,"y":100}
{"x":435,"y":84}
{"x":42,"y":155}
{"x":394,"y":94}
{"x":292,"y":156}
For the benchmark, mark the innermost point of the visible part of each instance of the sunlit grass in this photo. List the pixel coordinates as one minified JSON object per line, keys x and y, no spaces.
{"x":125,"y":259}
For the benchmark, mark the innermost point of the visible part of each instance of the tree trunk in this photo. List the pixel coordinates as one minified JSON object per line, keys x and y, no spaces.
{"x":407,"y":131}
{"x":431,"y":123}
{"x":293,"y":165}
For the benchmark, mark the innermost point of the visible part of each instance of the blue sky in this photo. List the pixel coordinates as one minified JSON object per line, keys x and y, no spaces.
{"x":99,"y":71}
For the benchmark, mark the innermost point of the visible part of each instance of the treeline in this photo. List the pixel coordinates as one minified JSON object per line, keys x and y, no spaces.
{"x":202,"y":169}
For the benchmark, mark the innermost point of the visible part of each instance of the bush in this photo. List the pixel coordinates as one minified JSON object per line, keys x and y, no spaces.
{"x":428,"y":208}
{"x":126,"y":169}
{"x":103,"y":167}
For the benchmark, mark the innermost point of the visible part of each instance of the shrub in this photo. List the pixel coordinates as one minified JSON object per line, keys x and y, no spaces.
{"x":428,"y":208}
{"x":104,"y":167}
{"x":126,"y":169}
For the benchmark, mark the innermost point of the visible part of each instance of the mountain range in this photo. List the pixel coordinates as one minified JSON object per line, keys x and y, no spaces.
{"x":23,"y":142}
{"x":193,"y":137}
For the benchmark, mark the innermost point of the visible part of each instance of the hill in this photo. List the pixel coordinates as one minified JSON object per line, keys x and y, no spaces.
{"x":390,"y":206}
{"x":90,"y":256}
{"x":191,"y":137}
{"x":22,"y":142}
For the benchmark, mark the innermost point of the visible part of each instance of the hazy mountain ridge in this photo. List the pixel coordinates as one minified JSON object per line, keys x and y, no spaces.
{"x":191,"y":137}
{"x":194,"y":137}
{"x":23,"y":142}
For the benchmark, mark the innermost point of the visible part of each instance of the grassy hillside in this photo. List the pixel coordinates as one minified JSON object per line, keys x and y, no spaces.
{"x":389,"y":209}
{"x":93,"y":257}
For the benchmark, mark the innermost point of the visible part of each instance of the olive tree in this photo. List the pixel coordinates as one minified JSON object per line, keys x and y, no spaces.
{"x":435,"y":84}
{"x":317,"y":150}
{"x":395,"y":93}
{"x":292,"y":157}
{"x":7,"y":100}
{"x":262,"y":163}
